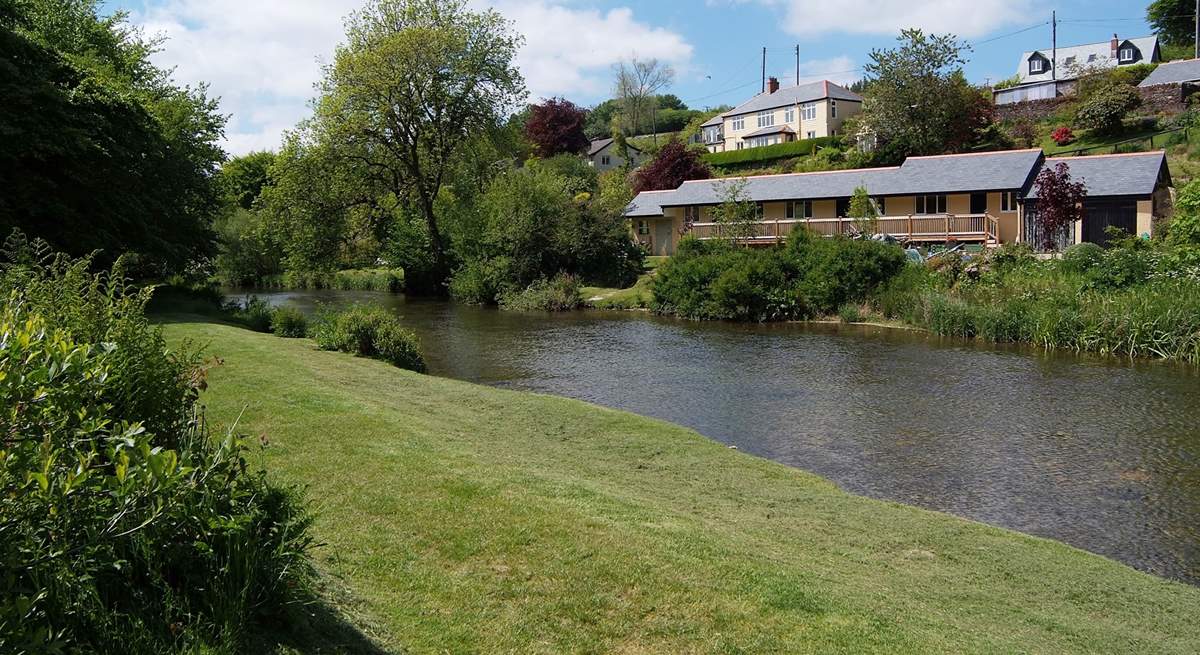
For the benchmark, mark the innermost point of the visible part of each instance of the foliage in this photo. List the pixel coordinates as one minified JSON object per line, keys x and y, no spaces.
{"x":102,"y":151}
{"x":769,"y":153}
{"x":1104,"y":108}
{"x":289,"y":322}
{"x":830,"y":158}
{"x":561,"y":293}
{"x":1173,"y":20}
{"x":864,"y":212}
{"x":241,"y":179}
{"x":920,"y":103}
{"x":1063,"y":135}
{"x":811,"y":276}
{"x":1184,"y":228}
{"x":637,"y":84}
{"x":1082,"y":257}
{"x":674,"y":164}
{"x":556,"y":127}
{"x":247,"y":255}
{"x":125,"y":526}
{"x":368,"y":331}
{"x":254,"y":313}
{"x":1007,"y":83}
{"x":737,"y":217}
{"x":1024,"y":132}
{"x":1059,"y":202}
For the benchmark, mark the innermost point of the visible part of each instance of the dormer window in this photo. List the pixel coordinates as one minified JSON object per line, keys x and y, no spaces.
{"x":1091,"y":58}
{"x":1126,"y":54}
{"x":1069,"y":61}
{"x":1036,"y":65}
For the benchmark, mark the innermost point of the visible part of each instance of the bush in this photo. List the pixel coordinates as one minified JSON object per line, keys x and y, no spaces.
{"x":369,"y":331}
{"x":1104,"y":109}
{"x":768,"y":153}
{"x":289,"y":322}
{"x":1082,"y":257}
{"x":850,"y":313}
{"x":126,"y":527}
{"x":1063,"y":135}
{"x":254,"y":313}
{"x":561,"y":293}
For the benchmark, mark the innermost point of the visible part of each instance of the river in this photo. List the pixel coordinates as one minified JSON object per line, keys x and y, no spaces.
{"x":1101,"y":454}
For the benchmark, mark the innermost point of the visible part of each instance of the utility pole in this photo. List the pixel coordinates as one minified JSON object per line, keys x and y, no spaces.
{"x":1197,"y":53}
{"x":764,"y":70}
{"x":1054,"y":44}
{"x":798,"y":60}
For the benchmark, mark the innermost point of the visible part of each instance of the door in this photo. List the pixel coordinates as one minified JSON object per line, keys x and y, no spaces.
{"x":663,"y":243}
{"x":1100,"y":214}
{"x":978,"y":203}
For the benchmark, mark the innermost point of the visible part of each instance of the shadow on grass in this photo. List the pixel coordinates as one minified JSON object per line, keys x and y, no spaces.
{"x":315,"y":629}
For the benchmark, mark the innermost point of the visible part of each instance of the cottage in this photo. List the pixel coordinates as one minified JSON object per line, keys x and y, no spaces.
{"x":984,"y":198}
{"x":778,"y":115}
{"x":1183,"y":75}
{"x":602,"y":154}
{"x":1040,"y":78}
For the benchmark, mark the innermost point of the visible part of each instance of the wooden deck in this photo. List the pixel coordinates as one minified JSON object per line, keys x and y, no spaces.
{"x":980,"y":228}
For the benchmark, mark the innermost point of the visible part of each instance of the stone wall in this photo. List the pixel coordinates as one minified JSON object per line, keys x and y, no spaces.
{"x":1031,"y":110}
{"x":1163,"y":99}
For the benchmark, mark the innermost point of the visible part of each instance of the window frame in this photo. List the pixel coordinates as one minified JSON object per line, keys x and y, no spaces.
{"x":808,"y":111}
{"x":1121,"y":54}
{"x":789,"y":114}
{"x":739,"y":123}
{"x":605,"y":160}
{"x":811,"y":134}
{"x":832,"y":108}
{"x":759,"y":212}
{"x":1008,"y":201}
{"x":1037,"y":66}
{"x":766,"y":118}
{"x":805,"y":210}
{"x":643,"y":228}
{"x":939,"y":204}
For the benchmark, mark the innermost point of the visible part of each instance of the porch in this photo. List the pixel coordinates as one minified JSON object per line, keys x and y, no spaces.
{"x":981,"y":228}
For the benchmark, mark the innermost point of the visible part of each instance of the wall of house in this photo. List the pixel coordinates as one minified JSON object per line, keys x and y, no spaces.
{"x":823,"y":125}
{"x":1145,"y":218}
{"x":1009,"y":222}
{"x":615,"y":160}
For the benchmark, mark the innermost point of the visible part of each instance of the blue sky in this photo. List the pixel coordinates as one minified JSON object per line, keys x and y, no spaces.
{"x":262,"y":56}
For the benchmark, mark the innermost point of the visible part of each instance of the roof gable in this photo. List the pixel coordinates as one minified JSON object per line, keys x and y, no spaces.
{"x":1131,"y":174}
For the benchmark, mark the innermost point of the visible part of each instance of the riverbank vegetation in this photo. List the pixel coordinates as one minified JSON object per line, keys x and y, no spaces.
{"x":126,"y":525}
{"x":479,"y":519}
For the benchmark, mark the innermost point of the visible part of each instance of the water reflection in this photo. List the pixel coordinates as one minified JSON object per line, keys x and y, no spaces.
{"x":1102,"y":455}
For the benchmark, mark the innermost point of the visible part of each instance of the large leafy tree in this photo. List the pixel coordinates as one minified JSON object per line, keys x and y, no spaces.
{"x":919,"y":102}
{"x":674,"y":164}
{"x":1059,"y":203}
{"x":1173,"y":20}
{"x":102,"y":151}
{"x":413,"y":85}
{"x":555,"y":127}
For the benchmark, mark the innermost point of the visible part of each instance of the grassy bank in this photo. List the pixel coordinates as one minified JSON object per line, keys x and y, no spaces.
{"x":463,"y":518}
{"x":637,"y":296}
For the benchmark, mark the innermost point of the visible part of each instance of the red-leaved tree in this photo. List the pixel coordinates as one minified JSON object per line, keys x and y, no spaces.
{"x":555,"y":127}
{"x":1059,"y":202}
{"x":674,"y":165}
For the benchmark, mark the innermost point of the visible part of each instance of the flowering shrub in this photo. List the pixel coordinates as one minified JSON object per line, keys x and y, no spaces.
{"x":1063,"y":135}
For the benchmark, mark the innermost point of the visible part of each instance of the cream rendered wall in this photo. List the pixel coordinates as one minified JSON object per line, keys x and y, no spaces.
{"x":900,"y":205}
{"x":822,"y":124}
{"x":958,"y":203}
{"x":1145,"y":217}
{"x":614,"y":160}
{"x":1009,"y":221}
{"x":824,"y":209}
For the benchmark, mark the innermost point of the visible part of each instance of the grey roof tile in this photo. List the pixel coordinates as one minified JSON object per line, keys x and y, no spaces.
{"x":791,"y":95}
{"x":1174,"y":72}
{"x":1086,"y":55}
{"x":774,"y":129}
{"x":1132,"y":174}
{"x":647,"y":204}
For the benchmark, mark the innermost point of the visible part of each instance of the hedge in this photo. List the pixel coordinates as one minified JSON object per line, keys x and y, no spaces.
{"x":768,"y":153}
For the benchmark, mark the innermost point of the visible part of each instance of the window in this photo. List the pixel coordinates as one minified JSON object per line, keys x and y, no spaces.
{"x":799,"y":209}
{"x":1008,"y":201}
{"x":881,"y":206}
{"x":766,"y":118}
{"x":1069,"y":61}
{"x":842,"y":207}
{"x":833,"y":108}
{"x":712,"y":134}
{"x":1126,"y":54}
{"x":808,"y":111}
{"x":1035,"y":65}
{"x":811,"y":134}
{"x":605,"y":160}
{"x":740,"y":145}
{"x":1091,"y":58}
{"x":739,"y":123}
{"x":758,"y":211}
{"x":643,"y":227}
{"x":934,"y":204}
{"x":789,"y":115}
{"x":691,"y":214}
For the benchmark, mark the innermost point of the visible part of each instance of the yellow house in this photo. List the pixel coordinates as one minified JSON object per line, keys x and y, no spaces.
{"x":778,"y":115}
{"x":986,"y":198}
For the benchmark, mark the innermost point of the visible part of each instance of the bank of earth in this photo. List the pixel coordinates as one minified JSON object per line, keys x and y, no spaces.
{"x":463,"y":518}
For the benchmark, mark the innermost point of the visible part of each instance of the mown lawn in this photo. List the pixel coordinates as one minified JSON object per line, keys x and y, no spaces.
{"x":461,"y":518}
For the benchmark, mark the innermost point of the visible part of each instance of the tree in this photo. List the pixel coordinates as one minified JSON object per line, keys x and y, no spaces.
{"x":1105,"y":106}
{"x":1173,"y":20}
{"x":737,"y":216}
{"x":674,"y":164}
{"x":414,"y":83}
{"x":556,"y":127}
{"x":1059,"y":203}
{"x":920,"y":103}
{"x":242,"y":178}
{"x":637,"y":85}
{"x":863,"y":211}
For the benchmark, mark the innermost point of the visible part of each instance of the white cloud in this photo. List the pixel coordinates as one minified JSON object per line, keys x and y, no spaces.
{"x":963,"y":18}
{"x":262,"y":57}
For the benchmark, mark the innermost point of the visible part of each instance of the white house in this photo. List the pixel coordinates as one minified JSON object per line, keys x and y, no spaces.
{"x":603,"y":155}
{"x":1040,"y":78}
{"x":804,"y":111}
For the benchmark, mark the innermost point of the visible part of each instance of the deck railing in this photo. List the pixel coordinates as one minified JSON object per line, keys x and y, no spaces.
{"x":913,"y":227}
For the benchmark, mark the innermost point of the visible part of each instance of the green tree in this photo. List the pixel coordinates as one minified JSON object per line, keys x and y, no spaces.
{"x":737,"y":216}
{"x":1173,"y":20}
{"x":1104,"y":108}
{"x":414,"y":83}
{"x":920,"y":103}
{"x":864,"y":212}
{"x":242,"y":178}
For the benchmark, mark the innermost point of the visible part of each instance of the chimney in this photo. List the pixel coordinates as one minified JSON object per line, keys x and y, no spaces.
{"x":1114,"y":45}
{"x":772,"y":85}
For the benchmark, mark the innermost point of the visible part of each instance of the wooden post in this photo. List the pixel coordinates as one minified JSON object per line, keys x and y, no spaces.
{"x":910,"y":230}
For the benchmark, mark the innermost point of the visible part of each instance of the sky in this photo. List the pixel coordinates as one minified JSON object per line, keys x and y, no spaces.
{"x":262,"y":57}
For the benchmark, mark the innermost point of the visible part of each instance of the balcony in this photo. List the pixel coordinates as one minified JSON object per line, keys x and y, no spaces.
{"x":981,"y":228}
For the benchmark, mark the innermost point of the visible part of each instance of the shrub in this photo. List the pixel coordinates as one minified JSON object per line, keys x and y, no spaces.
{"x":1104,"y":109}
{"x":1023,"y":132}
{"x":126,"y":527}
{"x":674,"y":164}
{"x":369,"y":279}
{"x":289,"y":322}
{"x":1063,"y":135}
{"x":560,"y":293}
{"x":768,"y":153}
{"x":254,"y":313}
{"x":1082,"y":257}
{"x":368,"y":331}
{"x":850,"y":313}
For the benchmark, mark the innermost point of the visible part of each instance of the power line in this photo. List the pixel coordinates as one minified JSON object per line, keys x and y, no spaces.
{"x":1005,"y":36}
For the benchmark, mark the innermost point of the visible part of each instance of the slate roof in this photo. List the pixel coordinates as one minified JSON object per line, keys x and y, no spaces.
{"x":646,"y":204}
{"x":601,"y":144}
{"x":1083,"y":56}
{"x":1174,"y":72}
{"x":774,"y":129}
{"x":990,"y":171}
{"x":791,"y":95}
{"x":715,"y":120}
{"x":1132,"y":174}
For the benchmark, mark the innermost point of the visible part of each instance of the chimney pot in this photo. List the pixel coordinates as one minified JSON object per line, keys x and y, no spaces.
{"x":772,"y":84}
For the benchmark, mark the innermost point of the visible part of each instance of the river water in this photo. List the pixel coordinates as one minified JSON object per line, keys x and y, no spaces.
{"x":1100,"y":454}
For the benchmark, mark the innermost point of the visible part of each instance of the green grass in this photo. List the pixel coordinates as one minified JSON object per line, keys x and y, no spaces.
{"x":462,"y":518}
{"x":637,"y":296}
